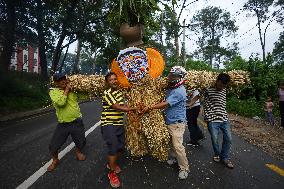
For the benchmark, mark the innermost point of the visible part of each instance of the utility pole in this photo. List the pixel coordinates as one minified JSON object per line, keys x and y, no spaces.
{"x":183,"y":45}
{"x":161,"y":28}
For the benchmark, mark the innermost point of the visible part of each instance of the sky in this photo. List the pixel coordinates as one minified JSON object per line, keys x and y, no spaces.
{"x":247,"y":37}
{"x":247,"y":34}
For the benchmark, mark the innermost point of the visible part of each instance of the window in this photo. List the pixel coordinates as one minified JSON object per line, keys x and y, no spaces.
{"x":13,"y":55}
{"x":35,"y":62}
{"x":25,"y":59}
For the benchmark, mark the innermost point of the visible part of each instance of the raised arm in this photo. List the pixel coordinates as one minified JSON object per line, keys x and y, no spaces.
{"x":123,"y":107}
{"x":193,"y":100}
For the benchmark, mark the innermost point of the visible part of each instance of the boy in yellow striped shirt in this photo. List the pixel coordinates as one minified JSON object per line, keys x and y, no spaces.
{"x":112,"y":125}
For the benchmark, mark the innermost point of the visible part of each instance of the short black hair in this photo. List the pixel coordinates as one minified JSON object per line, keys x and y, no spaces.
{"x":59,"y":76}
{"x":224,"y":78}
{"x":108,"y":75}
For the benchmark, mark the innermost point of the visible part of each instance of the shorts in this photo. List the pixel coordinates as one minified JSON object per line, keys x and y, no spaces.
{"x":114,"y":138}
{"x":63,"y":130}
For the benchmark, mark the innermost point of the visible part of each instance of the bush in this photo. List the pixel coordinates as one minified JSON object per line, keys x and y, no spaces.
{"x":22,"y":91}
{"x":248,"y":108}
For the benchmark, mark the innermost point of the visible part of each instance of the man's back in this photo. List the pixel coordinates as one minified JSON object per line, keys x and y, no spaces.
{"x":176,"y":111}
{"x":215,"y":105}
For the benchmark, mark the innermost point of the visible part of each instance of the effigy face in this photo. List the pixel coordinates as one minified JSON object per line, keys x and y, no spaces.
{"x":137,"y":69}
{"x":133,"y":63}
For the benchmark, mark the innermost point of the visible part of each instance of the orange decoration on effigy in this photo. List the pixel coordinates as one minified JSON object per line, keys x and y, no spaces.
{"x":156,"y":67}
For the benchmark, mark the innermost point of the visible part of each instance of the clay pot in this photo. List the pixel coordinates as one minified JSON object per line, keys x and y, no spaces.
{"x":131,"y":35}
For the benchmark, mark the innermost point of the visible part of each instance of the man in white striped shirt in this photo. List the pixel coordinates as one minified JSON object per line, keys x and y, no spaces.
{"x":216,"y":116}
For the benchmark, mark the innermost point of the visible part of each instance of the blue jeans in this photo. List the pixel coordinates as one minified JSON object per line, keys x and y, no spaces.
{"x":270,"y":118}
{"x":224,"y":127}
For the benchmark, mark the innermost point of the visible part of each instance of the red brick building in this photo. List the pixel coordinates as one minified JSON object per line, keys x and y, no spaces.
{"x":26,"y":59}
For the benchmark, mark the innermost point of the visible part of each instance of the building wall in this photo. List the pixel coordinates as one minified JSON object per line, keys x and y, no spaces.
{"x":26,"y":60}
{"x":20,"y":59}
{"x":30,"y":59}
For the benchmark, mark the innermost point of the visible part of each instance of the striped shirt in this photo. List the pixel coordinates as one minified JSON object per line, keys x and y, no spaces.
{"x":111,"y":116}
{"x":215,"y":105}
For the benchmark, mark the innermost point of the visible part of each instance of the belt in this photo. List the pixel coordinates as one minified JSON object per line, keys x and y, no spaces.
{"x":75,"y":121}
{"x":178,"y":121}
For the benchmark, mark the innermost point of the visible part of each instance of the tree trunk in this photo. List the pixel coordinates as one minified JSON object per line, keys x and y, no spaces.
{"x":41,"y":41}
{"x":63,"y":60}
{"x":58,"y":49}
{"x":9,"y":35}
{"x":57,"y":53}
{"x":212,"y":50}
{"x":77,"y":60}
{"x":176,"y":29}
{"x":260,"y":36}
{"x":95,"y":59}
{"x":161,"y":29}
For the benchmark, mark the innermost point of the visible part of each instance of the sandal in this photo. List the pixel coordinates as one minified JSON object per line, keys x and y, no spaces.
{"x":53,"y":165}
{"x":228,"y":164}
{"x":216,"y":159}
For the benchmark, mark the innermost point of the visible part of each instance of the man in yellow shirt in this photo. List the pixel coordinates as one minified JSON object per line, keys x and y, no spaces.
{"x":69,"y":118}
{"x":112,"y":125}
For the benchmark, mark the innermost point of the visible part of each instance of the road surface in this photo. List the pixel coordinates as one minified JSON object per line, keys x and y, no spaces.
{"x":24,"y":153}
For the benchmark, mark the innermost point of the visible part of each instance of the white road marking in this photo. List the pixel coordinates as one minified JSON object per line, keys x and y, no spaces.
{"x":32,"y":179}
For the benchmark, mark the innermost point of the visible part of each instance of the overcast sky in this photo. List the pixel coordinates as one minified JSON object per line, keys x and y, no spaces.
{"x":247,"y":37}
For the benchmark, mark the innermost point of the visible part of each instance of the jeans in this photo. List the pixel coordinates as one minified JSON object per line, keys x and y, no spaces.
{"x":270,"y":118}
{"x":224,"y":127}
{"x":194,"y":130}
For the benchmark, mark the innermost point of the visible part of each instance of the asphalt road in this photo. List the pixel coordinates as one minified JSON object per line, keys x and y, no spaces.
{"x":24,"y":150}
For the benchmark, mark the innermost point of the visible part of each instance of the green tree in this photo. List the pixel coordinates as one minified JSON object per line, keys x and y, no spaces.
{"x":172,"y":23}
{"x":213,"y":24}
{"x":260,"y":10}
{"x":197,"y":65}
{"x":278,"y":51}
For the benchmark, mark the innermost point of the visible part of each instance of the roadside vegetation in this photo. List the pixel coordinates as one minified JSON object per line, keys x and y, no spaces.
{"x":22,"y":91}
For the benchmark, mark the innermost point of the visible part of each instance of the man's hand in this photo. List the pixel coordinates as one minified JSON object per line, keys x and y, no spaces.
{"x":146,"y":109}
{"x":133,"y":109}
{"x":67,"y":89}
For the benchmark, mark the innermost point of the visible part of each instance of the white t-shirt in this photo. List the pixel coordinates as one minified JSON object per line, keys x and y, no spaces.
{"x":195,"y":93}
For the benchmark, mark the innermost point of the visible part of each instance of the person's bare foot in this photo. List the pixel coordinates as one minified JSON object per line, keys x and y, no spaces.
{"x":53,"y":165}
{"x":80,"y":156}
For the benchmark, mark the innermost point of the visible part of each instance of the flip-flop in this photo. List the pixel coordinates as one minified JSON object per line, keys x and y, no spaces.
{"x":228,"y":164}
{"x":216,"y":159}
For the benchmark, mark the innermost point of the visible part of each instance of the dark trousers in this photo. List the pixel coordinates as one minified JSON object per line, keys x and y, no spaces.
{"x":63,"y":130}
{"x":270,"y":118}
{"x":114,"y":138}
{"x":194,"y":130}
{"x":281,"y":107}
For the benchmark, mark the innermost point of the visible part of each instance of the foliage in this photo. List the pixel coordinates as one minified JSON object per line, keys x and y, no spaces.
{"x":264,"y":78}
{"x":278,"y":51}
{"x":260,"y":10}
{"x":197,"y":65}
{"x":212,"y":24}
{"x":248,"y":107}
{"x":132,"y":11}
{"x":22,"y":91}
